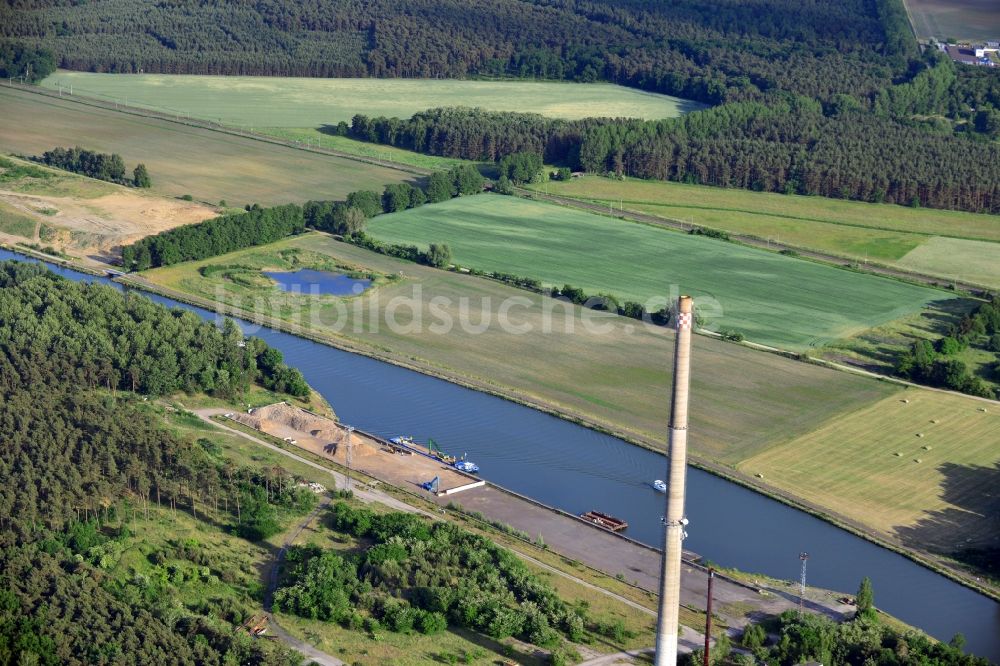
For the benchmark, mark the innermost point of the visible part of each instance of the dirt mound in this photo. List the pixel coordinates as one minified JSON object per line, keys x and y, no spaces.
{"x":328,"y":435}
{"x":280,"y":414}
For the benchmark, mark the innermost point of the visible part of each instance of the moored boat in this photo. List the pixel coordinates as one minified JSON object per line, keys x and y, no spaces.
{"x":466,"y":466}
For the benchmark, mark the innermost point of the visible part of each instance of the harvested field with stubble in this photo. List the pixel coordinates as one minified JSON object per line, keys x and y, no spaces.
{"x":958,"y":19}
{"x":613,"y":372}
{"x":920,"y":466}
{"x":209,"y":165}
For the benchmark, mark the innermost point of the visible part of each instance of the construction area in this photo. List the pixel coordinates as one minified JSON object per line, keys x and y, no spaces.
{"x":408,"y":465}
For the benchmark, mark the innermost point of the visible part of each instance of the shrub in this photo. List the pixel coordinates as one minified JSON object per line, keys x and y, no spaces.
{"x":430,"y":622}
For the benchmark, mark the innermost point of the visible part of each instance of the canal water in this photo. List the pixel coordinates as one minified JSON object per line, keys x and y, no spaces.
{"x":309,"y":281}
{"x":577,"y":469}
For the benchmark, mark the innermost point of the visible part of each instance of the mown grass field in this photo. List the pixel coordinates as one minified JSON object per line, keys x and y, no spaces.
{"x":956,"y":258}
{"x":770,"y":298}
{"x":959,"y":19}
{"x":617,"y":378}
{"x":922,"y":466}
{"x":884,"y":233}
{"x":259,"y":101}
{"x":210,"y":166}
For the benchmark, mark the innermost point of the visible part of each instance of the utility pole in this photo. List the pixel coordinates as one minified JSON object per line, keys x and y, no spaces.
{"x":670,"y":566}
{"x":804,"y":557}
{"x":347,"y":454}
{"x":708,"y":615}
{"x":242,"y":344}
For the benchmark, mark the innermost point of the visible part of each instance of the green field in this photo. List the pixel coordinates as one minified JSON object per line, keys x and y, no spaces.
{"x":208,"y":165}
{"x":770,"y":298}
{"x":309,"y":136}
{"x":617,"y":378}
{"x":976,"y":261}
{"x":258,"y":101}
{"x":921,"y":466}
{"x":883,"y":233}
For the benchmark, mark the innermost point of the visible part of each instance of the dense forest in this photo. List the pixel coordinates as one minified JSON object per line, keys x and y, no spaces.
{"x":259,"y":226}
{"x":102,"y":166}
{"x":713,"y":52}
{"x":93,"y":336}
{"x":792,"y":146}
{"x":81,"y":463}
{"x":413,"y":576}
{"x":842,"y":103}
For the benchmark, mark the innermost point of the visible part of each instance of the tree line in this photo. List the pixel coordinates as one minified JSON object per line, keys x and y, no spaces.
{"x":219,"y":235}
{"x":934,"y":363}
{"x":794,"y":146}
{"x":82,"y":462}
{"x":259,"y":226}
{"x":26,"y":63}
{"x":413,"y":576}
{"x":102,"y":166}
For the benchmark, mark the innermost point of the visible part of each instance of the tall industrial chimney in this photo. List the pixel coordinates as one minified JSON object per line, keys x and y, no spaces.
{"x":670,"y":568}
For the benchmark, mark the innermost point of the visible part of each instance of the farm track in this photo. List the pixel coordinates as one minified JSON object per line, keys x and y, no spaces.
{"x":762,"y":244}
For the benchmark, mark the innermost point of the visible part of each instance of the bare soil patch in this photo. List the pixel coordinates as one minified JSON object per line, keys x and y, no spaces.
{"x":98,"y":227}
{"x":327,"y":438}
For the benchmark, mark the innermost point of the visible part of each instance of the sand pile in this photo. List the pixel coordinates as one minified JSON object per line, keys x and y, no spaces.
{"x":280,"y":414}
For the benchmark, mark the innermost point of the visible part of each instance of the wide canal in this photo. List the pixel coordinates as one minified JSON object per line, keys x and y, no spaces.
{"x":576,"y":469}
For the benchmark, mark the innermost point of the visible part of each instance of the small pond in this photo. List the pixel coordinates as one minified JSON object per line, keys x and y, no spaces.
{"x":309,"y":281}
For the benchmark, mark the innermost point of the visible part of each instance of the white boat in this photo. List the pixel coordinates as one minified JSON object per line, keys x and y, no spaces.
{"x":466,"y":466}
{"x":659,"y":486}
